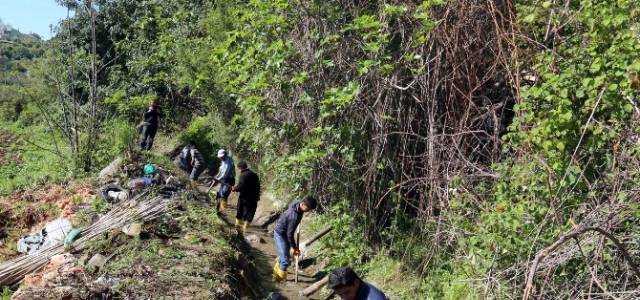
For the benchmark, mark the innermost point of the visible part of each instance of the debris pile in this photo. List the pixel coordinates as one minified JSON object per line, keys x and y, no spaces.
{"x":134,"y":249}
{"x":53,"y":234}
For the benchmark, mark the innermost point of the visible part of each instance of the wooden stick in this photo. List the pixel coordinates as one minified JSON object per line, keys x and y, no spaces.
{"x":316,"y":237}
{"x":212,"y":184}
{"x":297,"y":257}
{"x":314,"y":287}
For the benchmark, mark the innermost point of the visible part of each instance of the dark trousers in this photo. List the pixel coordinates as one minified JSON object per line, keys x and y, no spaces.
{"x":196,"y":171}
{"x":147,"y":134}
{"x":246,"y":209}
{"x":185,"y":165}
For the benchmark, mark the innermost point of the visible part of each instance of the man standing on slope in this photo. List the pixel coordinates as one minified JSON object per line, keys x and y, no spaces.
{"x":249,"y":194}
{"x":149,"y":125}
{"x":226,"y":177}
{"x":345,"y":283}
{"x":284,"y":235}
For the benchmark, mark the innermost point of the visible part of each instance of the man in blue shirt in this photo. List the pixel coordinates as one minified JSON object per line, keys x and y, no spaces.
{"x":284,"y":235}
{"x":345,"y":283}
{"x":226,"y":176}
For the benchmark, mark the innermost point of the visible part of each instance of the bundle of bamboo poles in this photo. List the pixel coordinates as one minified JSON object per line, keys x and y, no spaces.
{"x":135,"y":209}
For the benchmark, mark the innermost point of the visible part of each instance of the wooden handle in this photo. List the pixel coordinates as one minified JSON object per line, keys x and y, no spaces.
{"x":297,"y":260}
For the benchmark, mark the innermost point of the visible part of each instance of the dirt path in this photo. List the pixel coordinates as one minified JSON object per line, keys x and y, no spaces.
{"x":263,"y":256}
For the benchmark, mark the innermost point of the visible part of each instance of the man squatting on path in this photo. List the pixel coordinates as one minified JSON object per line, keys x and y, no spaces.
{"x":197,"y":163}
{"x":284,"y":234}
{"x":249,"y":194}
{"x":226,"y":176}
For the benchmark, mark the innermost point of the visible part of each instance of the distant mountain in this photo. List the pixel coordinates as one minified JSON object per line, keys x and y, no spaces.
{"x":9,"y":33}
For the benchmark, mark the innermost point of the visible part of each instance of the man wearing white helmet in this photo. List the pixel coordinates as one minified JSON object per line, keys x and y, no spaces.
{"x":226,"y":176}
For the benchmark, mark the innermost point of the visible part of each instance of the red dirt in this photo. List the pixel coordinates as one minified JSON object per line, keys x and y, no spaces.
{"x":62,"y":196}
{"x":30,"y":210}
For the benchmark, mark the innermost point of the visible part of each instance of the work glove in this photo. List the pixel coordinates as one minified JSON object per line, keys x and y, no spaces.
{"x":296,"y":252}
{"x":233,"y":188}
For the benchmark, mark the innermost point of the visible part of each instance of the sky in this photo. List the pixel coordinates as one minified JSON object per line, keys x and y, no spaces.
{"x":32,"y":16}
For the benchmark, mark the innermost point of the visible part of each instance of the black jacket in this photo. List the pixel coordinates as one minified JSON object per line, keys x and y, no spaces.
{"x":152,"y":117}
{"x":288,"y":222}
{"x":248,"y":186}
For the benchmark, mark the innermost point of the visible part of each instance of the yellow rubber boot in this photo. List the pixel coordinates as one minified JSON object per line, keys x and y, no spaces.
{"x":223,"y":204}
{"x":275,"y":271}
{"x":279,"y":275}
{"x":245,"y":226}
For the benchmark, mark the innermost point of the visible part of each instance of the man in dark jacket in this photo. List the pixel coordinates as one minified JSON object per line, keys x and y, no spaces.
{"x":185,"y":158}
{"x":284,"y":234}
{"x":249,"y":194}
{"x":348,"y":286}
{"x":151,"y":119}
{"x":197,"y":163}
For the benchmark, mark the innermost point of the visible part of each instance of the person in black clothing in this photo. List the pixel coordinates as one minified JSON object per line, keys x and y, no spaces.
{"x":151,"y":119}
{"x":249,"y":194}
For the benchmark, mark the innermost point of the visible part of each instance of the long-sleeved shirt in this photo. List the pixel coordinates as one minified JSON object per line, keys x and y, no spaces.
{"x":248,"y":186}
{"x":227,"y":170}
{"x":288,"y":222}
{"x":197,"y":159}
{"x":370,"y":292}
{"x":152,"y":117}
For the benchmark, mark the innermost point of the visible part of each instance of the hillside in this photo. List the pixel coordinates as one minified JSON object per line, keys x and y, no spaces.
{"x":460,"y":149}
{"x":9,"y":33}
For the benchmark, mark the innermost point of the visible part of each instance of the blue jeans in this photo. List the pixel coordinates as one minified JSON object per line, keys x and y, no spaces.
{"x":282,"y":249}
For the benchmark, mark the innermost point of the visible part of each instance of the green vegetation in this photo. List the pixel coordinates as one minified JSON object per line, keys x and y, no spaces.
{"x":449,"y":141}
{"x":183,"y":254}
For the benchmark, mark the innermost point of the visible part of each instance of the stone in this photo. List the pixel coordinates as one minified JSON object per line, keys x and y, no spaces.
{"x":112,"y":169}
{"x":97,"y":261}
{"x":264,"y":219}
{"x":132,"y":229}
{"x":254,"y":239}
{"x":101,"y":285}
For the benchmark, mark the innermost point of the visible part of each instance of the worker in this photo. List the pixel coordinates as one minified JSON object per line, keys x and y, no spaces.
{"x":185,"y":158}
{"x":197,"y":163}
{"x":345,"y":283}
{"x":248,"y":190}
{"x":284,"y":235}
{"x":226,"y":177}
{"x":149,"y":125}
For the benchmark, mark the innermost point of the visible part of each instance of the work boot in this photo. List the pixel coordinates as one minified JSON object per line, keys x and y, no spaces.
{"x":279,"y":275}
{"x":244,"y":227}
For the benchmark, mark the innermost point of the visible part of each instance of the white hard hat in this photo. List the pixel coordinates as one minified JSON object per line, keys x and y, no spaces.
{"x":222,"y":153}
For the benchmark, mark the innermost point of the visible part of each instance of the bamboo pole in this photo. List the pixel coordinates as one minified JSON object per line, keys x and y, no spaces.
{"x":13,"y":271}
